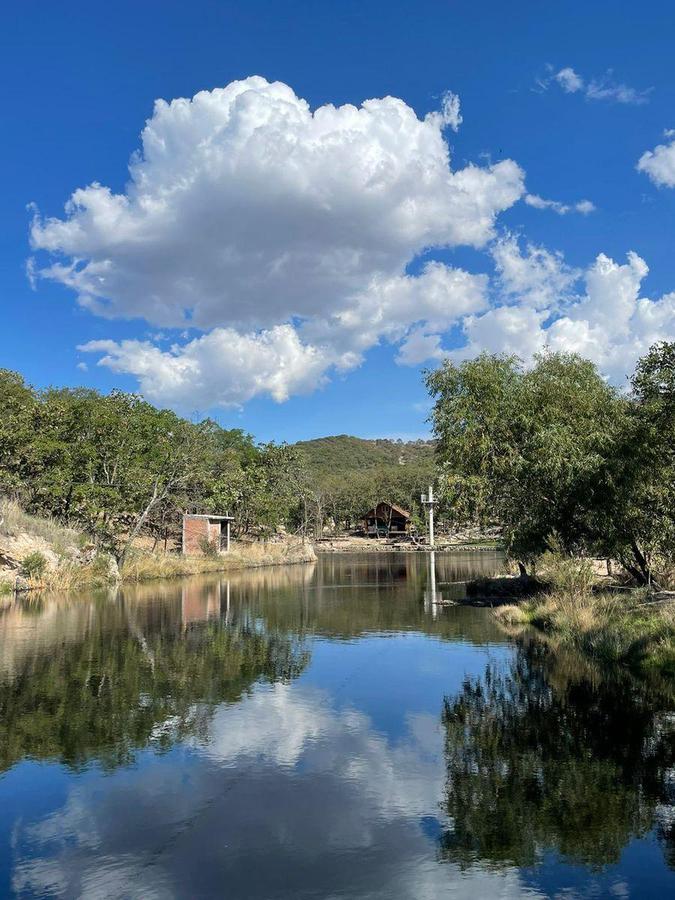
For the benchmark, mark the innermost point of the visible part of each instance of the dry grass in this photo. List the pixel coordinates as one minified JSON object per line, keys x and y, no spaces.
{"x":512,"y":614}
{"x":14,"y":521}
{"x":625,"y":628}
{"x":142,"y":566}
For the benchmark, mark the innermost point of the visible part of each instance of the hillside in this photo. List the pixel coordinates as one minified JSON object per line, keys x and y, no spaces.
{"x":342,"y":454}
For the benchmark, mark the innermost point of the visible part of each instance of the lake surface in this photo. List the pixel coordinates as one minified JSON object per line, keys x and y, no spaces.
{"x":322,"y":731}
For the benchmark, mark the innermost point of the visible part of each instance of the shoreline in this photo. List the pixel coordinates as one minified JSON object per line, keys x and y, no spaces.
{"x":144,"y":567}
{"x":607,"y":623}
{"x":381,"y":545}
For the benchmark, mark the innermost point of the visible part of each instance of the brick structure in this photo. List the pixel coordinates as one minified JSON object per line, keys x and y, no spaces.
{"x":197,"y":529}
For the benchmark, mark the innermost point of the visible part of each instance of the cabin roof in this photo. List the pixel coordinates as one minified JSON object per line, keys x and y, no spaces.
{"x":393,"y":506}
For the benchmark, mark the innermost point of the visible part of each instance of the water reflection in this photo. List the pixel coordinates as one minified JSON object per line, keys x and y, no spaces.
{"x":539,"y":758}
{"x":320,"y":731}
{"x":102,"y":678}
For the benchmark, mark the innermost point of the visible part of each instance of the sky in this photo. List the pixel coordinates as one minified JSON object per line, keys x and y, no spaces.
{"x":280,"y":214}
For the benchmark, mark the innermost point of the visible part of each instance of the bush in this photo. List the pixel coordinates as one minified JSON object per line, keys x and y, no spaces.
{"x":208,"y":548}
{"x":33,"y":565}
{"x":567,"y":573}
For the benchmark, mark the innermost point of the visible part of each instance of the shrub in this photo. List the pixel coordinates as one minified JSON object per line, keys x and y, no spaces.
{"x":208,"y":548}
{"x":34,"y":565}
{"x":567,"y":573}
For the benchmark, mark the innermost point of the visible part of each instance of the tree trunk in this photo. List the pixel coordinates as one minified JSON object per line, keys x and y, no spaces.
{"x":137,"y":527}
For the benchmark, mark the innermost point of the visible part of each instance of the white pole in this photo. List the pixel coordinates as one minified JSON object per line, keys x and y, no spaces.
{"x":431,"y":515}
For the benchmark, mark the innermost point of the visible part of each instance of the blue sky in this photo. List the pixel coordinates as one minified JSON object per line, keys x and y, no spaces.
{"x":317,"y":277}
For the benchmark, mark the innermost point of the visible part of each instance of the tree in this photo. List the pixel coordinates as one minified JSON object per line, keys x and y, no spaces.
{"x":637,"y":519}
{"x":17,"y":404}
{"x":525,"y":447}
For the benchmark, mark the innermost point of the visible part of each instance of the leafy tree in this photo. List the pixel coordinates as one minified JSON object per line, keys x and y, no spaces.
{"x":528,"y":448}
{"x":17,"y":403}
{"x":637,"y":520}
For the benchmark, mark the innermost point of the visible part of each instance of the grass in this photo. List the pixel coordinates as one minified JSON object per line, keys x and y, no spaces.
{"x":70,"y":572}
{"x":13,"y":521}
{"x":142,"y":566}
{"x":580,"y":611}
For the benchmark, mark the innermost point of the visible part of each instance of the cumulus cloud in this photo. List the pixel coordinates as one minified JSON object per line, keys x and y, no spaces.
{"x":582,"y":206}
{"x":535,"y":278}
{"x":659,"y":164}
{"x":282,"y":232}
{"x":540,"y":301}
{"x":226,"y":368}
{"x":221,"y":368}
{"x":604,"y":87}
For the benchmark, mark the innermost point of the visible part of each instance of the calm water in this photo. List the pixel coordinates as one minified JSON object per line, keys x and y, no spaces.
{"x":322,"y":731}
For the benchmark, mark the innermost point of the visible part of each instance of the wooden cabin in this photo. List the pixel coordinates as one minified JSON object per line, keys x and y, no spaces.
{"x":198,"y":529}
{"x":387,"y":520}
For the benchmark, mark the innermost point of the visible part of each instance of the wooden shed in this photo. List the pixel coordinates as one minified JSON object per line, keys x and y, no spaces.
{"x":200,"y":528}
{"x":387,"y":520}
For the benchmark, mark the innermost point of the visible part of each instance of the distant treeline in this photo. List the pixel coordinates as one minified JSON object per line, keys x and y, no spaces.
{"x":116,"y":467}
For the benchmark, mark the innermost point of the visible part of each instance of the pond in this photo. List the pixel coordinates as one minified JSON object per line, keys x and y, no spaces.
{"x":322,"y":731}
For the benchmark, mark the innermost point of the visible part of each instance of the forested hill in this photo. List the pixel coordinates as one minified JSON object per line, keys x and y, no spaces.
{"x":342,"y":453}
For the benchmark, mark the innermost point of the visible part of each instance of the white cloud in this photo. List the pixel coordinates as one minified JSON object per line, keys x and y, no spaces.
{"x":606,"y":89}
{"x":536,"y":278}
{"x":659,"y":164}
{"x":221,"y":368}
{"x":599,"y":88}
{"x":227,"y":368}
{"x":286,"y":231}
{"x":450,"y":110}
{"x":540,"y":305}
{"x":582,"y":206}
{"x":419,"y":347}
{"x":569,"y":80}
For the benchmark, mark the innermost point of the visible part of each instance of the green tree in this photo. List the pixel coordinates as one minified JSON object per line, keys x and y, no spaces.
{"x":528,"y":448}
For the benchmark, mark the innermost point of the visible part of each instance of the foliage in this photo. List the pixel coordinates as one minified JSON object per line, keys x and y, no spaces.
{"x":637,"y":518}
{"x":33,"y":565}
{"x":208,"y":548}
{"x":342,"y":453}
{"x":346,"y":476}
{"x":116,"y":467}
{"x":558,"y":457}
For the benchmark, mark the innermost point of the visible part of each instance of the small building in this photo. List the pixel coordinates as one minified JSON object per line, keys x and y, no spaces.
{"x":199,"y":529}
{"x":387,"y":520}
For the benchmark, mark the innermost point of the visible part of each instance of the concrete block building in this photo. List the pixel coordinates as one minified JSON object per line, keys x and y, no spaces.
{"x":198,"y":529}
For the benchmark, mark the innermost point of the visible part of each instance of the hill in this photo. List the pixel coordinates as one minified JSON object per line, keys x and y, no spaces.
{"x":344,"y":454}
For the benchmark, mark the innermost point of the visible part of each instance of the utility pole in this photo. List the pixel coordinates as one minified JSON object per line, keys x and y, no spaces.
{"x":428,"y":503}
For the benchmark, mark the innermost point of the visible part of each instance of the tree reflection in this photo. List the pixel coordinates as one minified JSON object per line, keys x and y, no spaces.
{"x":130,"y":680}
{"x":541,"y":760}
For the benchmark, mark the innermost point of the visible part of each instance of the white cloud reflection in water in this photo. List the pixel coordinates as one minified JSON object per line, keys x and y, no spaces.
{"x":287,"y":795}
